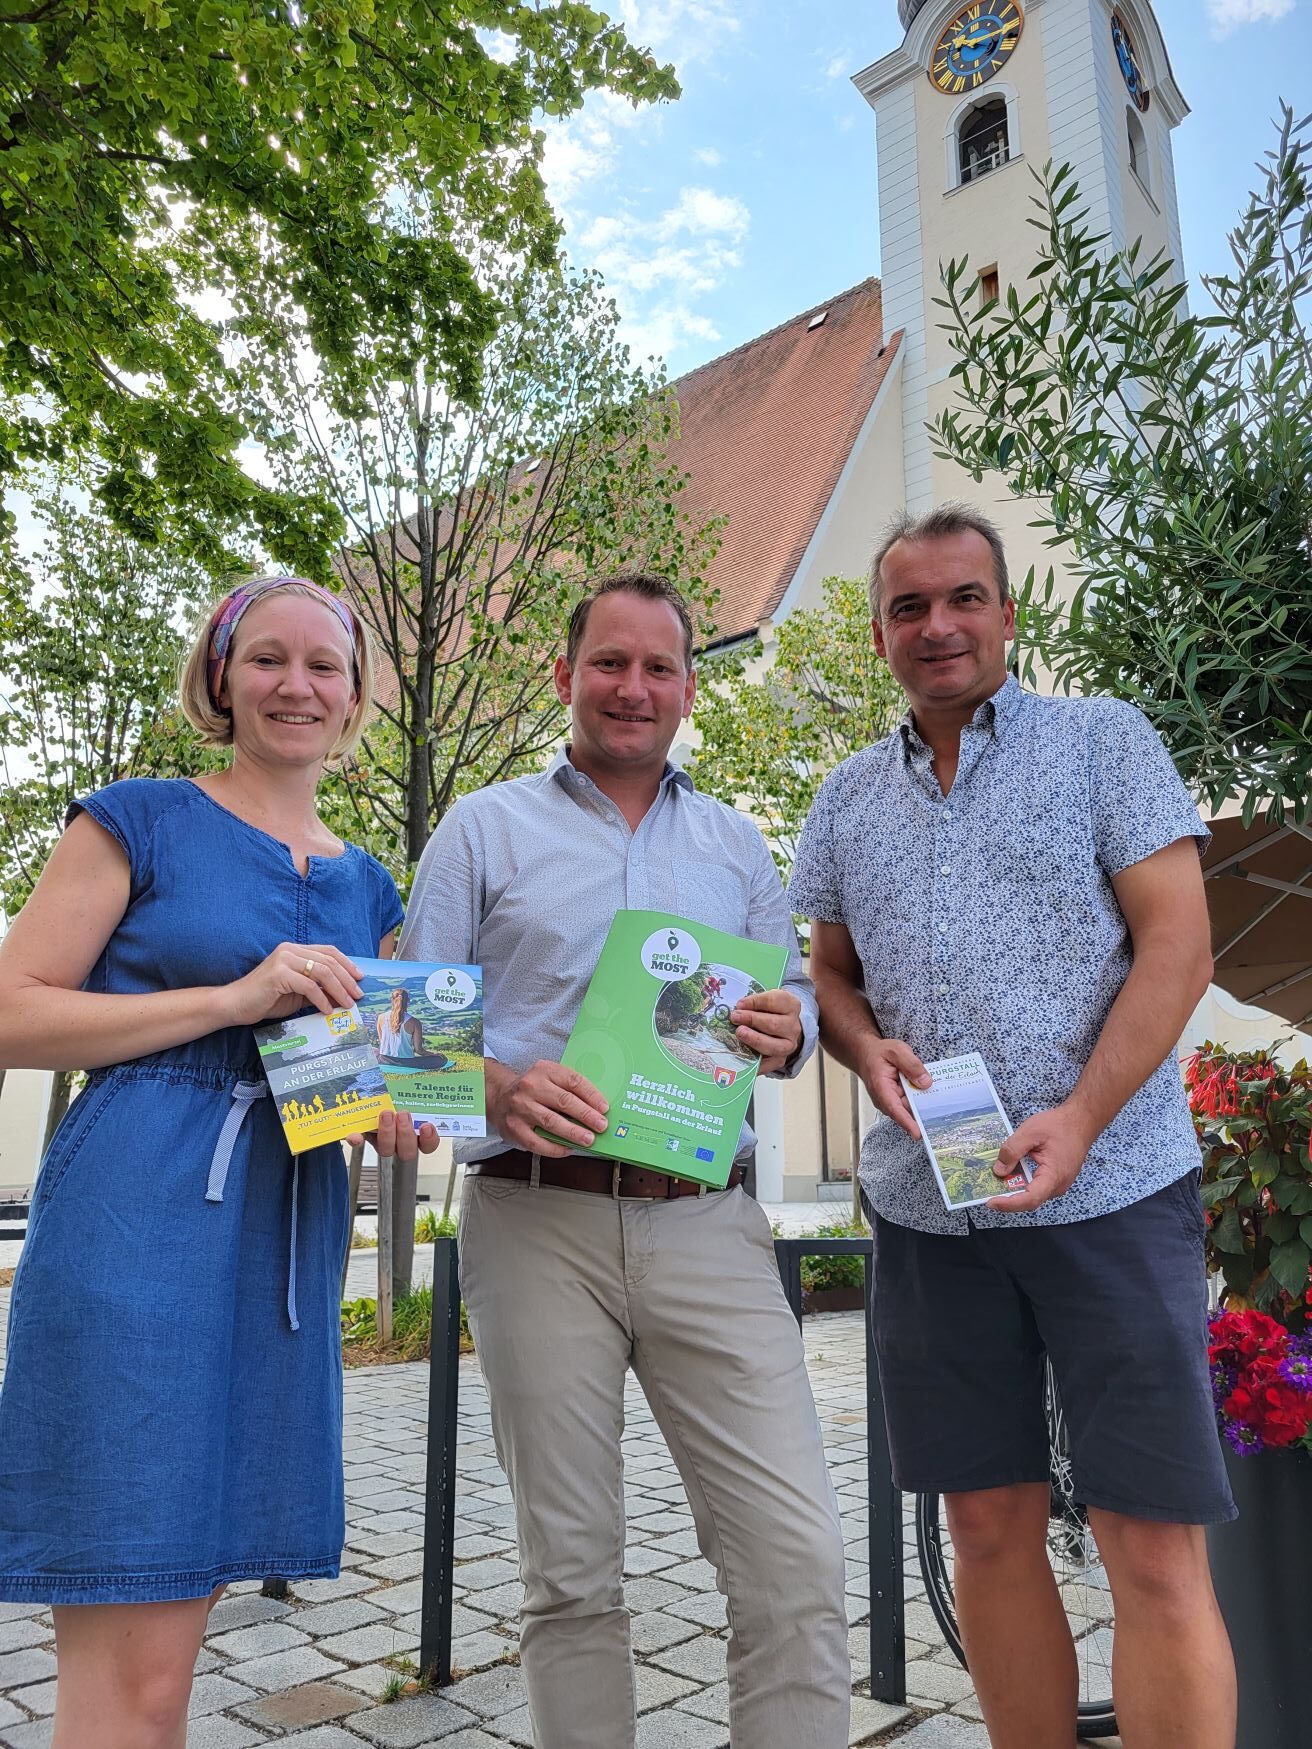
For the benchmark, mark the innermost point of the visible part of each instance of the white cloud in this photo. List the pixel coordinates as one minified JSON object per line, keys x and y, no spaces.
{"x":657,"y":269}
{"x":665,"y":328}
{"x":683,"y":30}
{"x":705,"y":214}
{"x":499,"y":44}
{"x":692,"y":244}
{"x":838,"y":67}
{"x":584,"y":148}
{"x":1232,"y":15}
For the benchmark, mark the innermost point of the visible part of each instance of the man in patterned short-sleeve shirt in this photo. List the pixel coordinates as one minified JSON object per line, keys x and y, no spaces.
{"x":1019,"y":876}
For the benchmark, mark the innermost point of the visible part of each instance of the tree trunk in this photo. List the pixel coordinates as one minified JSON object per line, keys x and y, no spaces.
{"x":354,"y":1167}
{"x":61,"y":1092}
{"x":855,"y":1114}
{"x":384,"y":1302}
{"x":450,"y":1188}
{"x":404,"y":1201}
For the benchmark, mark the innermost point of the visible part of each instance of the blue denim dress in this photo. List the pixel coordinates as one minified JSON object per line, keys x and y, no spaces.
{"x":171,"y":1415}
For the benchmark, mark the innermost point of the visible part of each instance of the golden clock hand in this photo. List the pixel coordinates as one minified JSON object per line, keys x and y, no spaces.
{"x":968,"y":41}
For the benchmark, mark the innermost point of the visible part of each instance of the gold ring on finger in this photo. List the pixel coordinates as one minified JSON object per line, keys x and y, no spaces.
{"x":309,"y":968}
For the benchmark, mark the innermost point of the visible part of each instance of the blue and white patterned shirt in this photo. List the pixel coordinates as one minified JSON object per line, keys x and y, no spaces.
{"x":986,"y":920}
{"x":524,"y":879}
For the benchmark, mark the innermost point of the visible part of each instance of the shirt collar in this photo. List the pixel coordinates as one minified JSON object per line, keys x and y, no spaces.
{"x":995,"y":715}
{"x":570,"y":778}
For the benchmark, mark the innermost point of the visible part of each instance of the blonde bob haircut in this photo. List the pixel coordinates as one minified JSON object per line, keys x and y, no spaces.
{"x":213,"y":725}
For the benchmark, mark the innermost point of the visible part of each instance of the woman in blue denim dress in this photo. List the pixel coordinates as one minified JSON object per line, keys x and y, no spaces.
{"x":171,"y":1415}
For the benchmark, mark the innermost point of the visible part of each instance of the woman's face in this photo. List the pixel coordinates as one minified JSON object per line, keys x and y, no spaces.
{"x":289,"y":680}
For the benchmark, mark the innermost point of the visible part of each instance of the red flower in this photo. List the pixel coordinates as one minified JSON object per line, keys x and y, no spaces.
{"x":1214,"y":1089}
{"x":1248,"y":1348}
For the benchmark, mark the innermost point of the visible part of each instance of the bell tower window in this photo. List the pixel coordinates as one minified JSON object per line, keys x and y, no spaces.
{"x":1138,"y":144}
{"x":983,"y":140}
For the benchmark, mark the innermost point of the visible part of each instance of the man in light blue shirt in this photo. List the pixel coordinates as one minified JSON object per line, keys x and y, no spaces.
{"x":1019,"y":876}
{"x":573,"y":1269}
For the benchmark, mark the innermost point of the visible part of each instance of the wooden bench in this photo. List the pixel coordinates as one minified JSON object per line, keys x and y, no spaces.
{"x":14,"y":1218}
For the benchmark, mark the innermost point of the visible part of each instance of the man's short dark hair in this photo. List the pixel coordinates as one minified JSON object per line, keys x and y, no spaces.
{"x":950,"y":518}
{"x":647,"y":586}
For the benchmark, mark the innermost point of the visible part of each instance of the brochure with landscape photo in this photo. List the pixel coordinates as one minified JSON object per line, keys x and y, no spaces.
{"x":413,"y":1042}
{"x":324,"y":1076}
{"x":654,"y":1036}
{"x":426,"y":1023}
{"x":963,"y":1126}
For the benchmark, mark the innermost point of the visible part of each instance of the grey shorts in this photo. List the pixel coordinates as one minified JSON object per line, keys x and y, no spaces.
{"x":1119,"y":1303}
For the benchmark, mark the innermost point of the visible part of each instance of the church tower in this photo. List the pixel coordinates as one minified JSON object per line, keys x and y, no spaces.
{"x":979,"y":93}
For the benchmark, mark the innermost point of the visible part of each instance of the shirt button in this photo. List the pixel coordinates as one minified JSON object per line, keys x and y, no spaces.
{"x":947,"y":813}
{"x":942,"y":928}
{"x":946,"y":869}
{"x":943,"y":989}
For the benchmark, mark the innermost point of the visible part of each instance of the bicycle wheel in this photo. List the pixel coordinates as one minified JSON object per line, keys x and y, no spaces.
{"x":1077,"y":1568}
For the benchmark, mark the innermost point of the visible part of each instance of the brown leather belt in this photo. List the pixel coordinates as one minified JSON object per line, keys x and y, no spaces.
{"x":602,"y":1177}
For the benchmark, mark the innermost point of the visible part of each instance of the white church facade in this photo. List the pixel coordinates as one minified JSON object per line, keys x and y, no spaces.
{"x":812,"y":436}
{"x":818,"y":429}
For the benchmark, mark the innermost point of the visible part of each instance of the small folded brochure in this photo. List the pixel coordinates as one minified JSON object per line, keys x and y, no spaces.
{"x":963,"y":1126}
{"x":654,"y":1036}
{"x":413,"y":1042}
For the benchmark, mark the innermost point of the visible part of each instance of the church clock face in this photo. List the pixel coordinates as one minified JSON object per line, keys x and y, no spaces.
{"x":974,"y":44}
{"x":1129,"y":65}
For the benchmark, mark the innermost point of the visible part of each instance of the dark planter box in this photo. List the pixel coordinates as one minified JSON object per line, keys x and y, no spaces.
{"x":833,"y":1299}
{"x":1262,"y":1570}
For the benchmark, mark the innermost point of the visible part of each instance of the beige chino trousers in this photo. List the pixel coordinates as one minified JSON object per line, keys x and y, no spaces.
{"x":565,"y":1291}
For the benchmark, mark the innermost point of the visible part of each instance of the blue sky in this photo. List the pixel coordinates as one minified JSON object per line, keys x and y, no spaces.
{"x":754,"y":196}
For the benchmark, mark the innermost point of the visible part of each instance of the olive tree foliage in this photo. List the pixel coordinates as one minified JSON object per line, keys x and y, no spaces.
{"x":767,"y":740}
{"x":472,"y":525}
{"x":1170,"y":456}
{"x":138,"y":140}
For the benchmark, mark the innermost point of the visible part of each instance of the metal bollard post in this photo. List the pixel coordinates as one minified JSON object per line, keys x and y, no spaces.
{"x":440,"y":1496}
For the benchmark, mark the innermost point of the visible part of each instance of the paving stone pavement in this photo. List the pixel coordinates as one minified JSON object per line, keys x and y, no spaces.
{"x":313,"y":1672}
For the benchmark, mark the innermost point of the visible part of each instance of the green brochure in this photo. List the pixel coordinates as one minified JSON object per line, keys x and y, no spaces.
{"x":654,"y":1036}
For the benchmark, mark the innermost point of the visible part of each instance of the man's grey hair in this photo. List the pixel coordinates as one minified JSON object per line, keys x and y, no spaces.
{"x":953,"y":517}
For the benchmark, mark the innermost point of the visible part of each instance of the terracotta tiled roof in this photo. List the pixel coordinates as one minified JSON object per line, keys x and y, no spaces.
{"x":765,"y":431}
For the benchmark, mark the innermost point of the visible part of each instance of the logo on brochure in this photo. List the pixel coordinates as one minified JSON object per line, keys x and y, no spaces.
{"x":706,"y":1153}
{"x":724,"y":1077}
{"x":451,"y":989}
{"x":621,"y":1130}
{"x":340,"y":1021}
{"x":671,"y":954}
{"x":671,"y":1144}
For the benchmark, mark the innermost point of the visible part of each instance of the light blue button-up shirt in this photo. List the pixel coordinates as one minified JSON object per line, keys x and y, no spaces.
{"x":523,"y":878}
{"x":986,"y":920}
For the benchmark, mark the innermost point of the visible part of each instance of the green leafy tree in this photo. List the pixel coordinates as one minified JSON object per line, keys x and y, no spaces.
{"x":137,"y":141}
{"x":471,"y":527}
{"x":91,"y":635}
{"x":772,"y":723}
{"x":1168,"y":456}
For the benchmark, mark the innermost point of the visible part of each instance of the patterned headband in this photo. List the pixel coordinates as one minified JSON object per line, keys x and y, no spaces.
{"x":226,"y":616}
